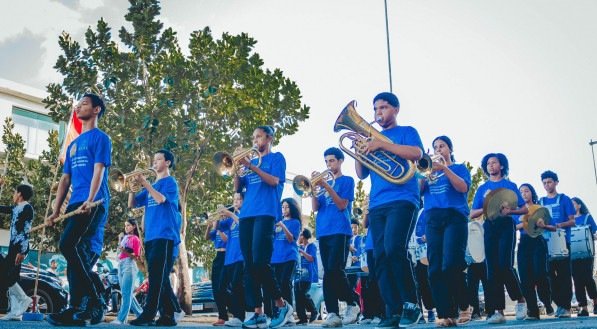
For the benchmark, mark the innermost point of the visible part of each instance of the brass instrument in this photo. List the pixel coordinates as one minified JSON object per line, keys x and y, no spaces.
{"x":425,"y":167}
{"x":305,"y":187}
{"x":136,"y":212}
{"x":391,"y":167}
{"x":357,"y":212}
{"x":122,"y":182}
{"x":209,"y":218}
{"x":227,"y":165}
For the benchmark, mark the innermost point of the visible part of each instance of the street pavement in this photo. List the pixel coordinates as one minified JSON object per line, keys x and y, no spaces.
{"x":197,"y":321}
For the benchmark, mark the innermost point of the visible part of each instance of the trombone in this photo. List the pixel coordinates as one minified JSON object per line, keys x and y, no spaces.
{"x":122,"y":182}
{"x":227,"y":165}
{"x":305,"y":187}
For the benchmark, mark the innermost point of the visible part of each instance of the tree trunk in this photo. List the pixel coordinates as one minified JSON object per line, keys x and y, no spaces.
{"x":185,"y":291}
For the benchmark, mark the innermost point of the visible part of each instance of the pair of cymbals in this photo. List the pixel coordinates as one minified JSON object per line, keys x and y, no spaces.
{"x":530,"y":220}
{"x":497,"y":200}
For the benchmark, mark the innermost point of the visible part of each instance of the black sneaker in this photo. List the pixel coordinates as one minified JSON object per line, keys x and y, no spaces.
{"x":391,"y":322}
{"x":584,"y":312}
{"x":65,"y":318}
{"x":411,"y":314}
{"x":166,"y":321}
{"x":92,"y":309}
{"x":142,"y":322}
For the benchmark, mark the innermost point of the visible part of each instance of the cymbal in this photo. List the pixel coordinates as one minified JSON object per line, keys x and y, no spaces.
{"x":496,"y":200}
{"x":529,"y":221}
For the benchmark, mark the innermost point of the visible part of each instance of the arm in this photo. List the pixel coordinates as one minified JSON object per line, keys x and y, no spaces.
{"x":340,"y":203}
{"x":63,"y":186}
{"x":96,"y":181}
{"x":407,"y":152}
{"x":362,"y":171}
{"x":270,"y":180}
{"x":571,"y":222}
{"x":308,"y":257}
{"x":132,"y":202}
{"x":155,"y":194}
{"x":287,"y":233}
{"x":457,"y":182}
{"x":476,"y":213}
{"x":315,"y":202}
{"x":223,"y":236}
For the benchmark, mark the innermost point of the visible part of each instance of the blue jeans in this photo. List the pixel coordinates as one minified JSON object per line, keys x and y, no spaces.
{"x":447,"y":235}
{"x":127,"y":272}
{"x":391,"y":226}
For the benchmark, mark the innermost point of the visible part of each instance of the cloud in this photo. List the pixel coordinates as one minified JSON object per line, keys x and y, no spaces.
{"x":19,"y":57}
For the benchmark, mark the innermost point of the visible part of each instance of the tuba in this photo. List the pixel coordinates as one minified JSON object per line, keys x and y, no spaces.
{"x":305,"y":187}
{"x":228,"y":165}
{"x":389,"y":166}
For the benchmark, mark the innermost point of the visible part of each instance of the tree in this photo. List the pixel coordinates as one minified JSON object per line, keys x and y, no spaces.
{"x":477,"y":178}
{"x":194,"y":105}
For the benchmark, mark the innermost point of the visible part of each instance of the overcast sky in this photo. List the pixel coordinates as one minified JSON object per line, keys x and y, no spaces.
{"x":510,"y":76}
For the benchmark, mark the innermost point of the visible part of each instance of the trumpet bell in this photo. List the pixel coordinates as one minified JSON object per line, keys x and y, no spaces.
{"x":224,"y":164}
{"x":227,"y":165}
{"x":121,"y":182}
{"x":305,"y":187}
{"x":302,"y":186}
{"x":117,"y":180}
{"x":425,"y":167}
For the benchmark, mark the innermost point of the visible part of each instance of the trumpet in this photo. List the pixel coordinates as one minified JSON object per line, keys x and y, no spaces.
{"x":122,"y":182}
{"x":305,"y":187}
{"x":208,"y":218}
{"x":227,"y":165}
{"x":389,"y":166}
{"x":425,"y":167}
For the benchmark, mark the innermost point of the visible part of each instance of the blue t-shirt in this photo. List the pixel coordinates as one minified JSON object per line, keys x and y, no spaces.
{"x":356,"y":241}
{"x":223,"y":226}
{"x":91,"y":147}
{"x":586,"y":219}
{"x":162,"y":221}
{"x":262,"y":199}
{"x":331,"y":220}
{"x":442,"y":194}
{"x":233,"y":253}
{"x":382,"y":191}
{"x":306,"y":265}
{"x":285,"y":251}
{"x":489,"y":186}
{"x":561,"y":208}
{"x":368,"y":241}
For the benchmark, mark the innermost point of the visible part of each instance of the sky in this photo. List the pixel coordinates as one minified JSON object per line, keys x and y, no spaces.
{"x":509,"y":76}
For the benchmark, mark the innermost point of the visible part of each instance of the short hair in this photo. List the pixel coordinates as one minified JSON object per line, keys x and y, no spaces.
{"x":295,"y":211}
{"x":534,"y":196}
{"x":168,"y":156}
{"x":583,"y":207}
{"x":97,"y":101}
{"x":268,"y":130}
{"x":306,"y":233}
{"x":355,"y":221}
{"x":502,"y":160}
{"x":26,"y":191}
{"x":335,"y":152}
{"x":388,"y":97}
{"x":549,"y":174}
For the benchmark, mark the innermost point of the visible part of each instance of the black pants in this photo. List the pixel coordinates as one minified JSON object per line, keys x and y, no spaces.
{"x":284,"y":273}
{"x":303,"y":300}
{"x":75,"y":245}
{"x":10,"y":271}
{"x":77,"y":296}
{"x":233,"y":283}
{"x":218,"y":289}
{"x":447,"y":235}
{"x":532,"y":266}
{"x":500,"y":238}
{"x":334,"y":251}
{"x":256,"y":236}
{"x":391,"y":226}
{"x":423,"y":286}
{"x":159,"y":264}
{"x":477,"y":273}
{"x":582,"y":272}
{"x":560,"y":275}
{"x":373,"y":305}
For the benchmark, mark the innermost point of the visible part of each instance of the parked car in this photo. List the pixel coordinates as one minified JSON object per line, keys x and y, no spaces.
{"x":52,"y":296}
{"x":203,"y":298}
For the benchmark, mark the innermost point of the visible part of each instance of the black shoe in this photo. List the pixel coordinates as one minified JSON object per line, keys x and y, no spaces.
{"x":391,"y":322}
{"x":65,"y":318}
{"x":302,"y":322}
{"x":411,"y":314}
{"x":583,"y":313}
{"x":142,"y":322}
{"x":92,"y":311}
{"x":549,"y":310}
{"x":166,"y":321}
{"x":314,"y":316}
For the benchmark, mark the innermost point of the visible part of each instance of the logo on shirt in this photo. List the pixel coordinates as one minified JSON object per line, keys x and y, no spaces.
{"x":73,"y":150}
{"x":486,"y":192}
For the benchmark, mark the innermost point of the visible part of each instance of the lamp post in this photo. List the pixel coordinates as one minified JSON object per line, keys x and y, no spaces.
{"x":385,"y":2}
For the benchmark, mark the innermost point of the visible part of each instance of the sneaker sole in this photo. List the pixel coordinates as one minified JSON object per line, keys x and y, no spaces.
{"x":411,"y":324}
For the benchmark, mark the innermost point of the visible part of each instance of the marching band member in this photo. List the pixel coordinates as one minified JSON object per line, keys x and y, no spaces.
{"x":582,"y":269}
{"x":392,"y":215}
{"x":355,"y":250}
{"x":85,"y":167}
{"x":477,"y":273}
{"x":446,"y":213}
{"x":308,"y":275}
{"x":500,"y":238}
{"x":217,"y":234}
{"x":10,"y":266}
{"x":562,"y":214}
{"x":332,"y":225}
{"x":421,"y":270}
{"x":257,"y":217}
{"x":233,"y":265}
{"x":286,"y":252}
{"x":162,"y":235}
{"x":373,"y":306}
{"x":533,"y":259}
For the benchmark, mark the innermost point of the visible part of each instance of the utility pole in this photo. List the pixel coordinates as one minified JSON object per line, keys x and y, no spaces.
{"x":385,"y":2}
{"x":591,"y":143}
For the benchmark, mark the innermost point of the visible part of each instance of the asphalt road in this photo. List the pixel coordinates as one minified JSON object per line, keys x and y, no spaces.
{"x":574,"y":322}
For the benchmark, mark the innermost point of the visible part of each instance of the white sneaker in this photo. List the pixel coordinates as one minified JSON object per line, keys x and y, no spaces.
{"x":332,"y":321}
{"x":178,"y":316}
{"x":521,"y":311}
{"x":376,"y":320}
{"x":352,"y":314}
{"x":234,"y":322}
{"x":365,"y":321}
{"x":116,"y":321}
{"x":497,"y":318}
